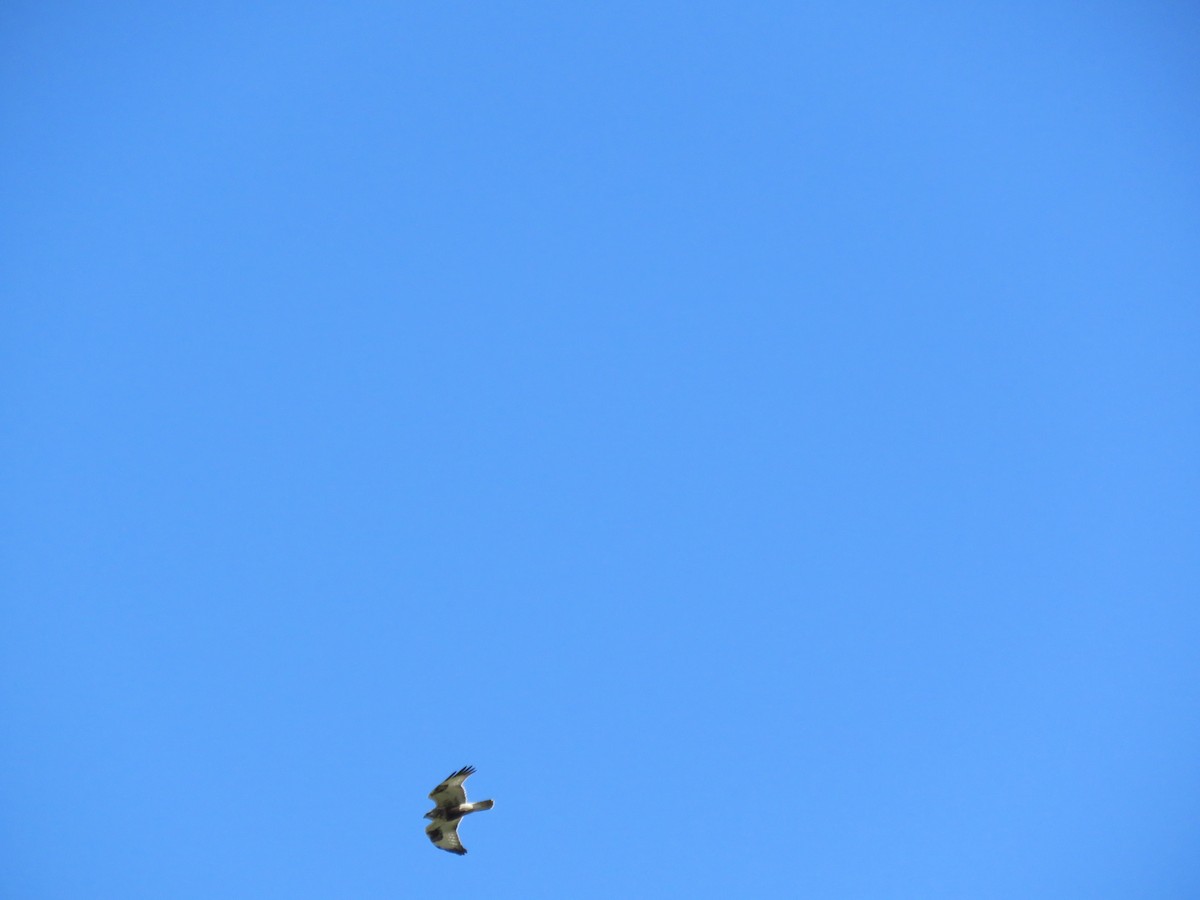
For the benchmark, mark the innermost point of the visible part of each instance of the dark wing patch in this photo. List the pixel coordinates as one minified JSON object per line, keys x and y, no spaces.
{"x":446,"y":837}
{"x":451,"y":791}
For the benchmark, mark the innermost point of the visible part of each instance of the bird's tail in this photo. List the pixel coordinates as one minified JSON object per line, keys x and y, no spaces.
{"x":479,"y":805}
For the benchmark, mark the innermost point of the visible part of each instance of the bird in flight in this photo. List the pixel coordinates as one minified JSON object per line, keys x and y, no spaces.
{"x":452,"y":805}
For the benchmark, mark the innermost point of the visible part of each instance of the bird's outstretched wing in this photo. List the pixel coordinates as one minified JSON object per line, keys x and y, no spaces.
{"x":451,"y":791}
{"x":445,"y":835}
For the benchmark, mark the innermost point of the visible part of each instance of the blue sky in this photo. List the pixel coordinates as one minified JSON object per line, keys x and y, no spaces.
{"x":761,"y":438}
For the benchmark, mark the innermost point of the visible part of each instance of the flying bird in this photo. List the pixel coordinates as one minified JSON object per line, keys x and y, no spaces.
{"x":452,"y":805}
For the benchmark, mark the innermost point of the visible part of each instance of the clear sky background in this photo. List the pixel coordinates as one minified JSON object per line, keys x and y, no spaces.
{"x":762,"y":438}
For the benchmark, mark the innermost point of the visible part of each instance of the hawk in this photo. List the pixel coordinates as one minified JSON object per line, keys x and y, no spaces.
{"x":452,"y":805}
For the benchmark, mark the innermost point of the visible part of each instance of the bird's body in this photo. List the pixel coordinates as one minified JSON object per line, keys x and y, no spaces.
{"x":451,"y":799}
